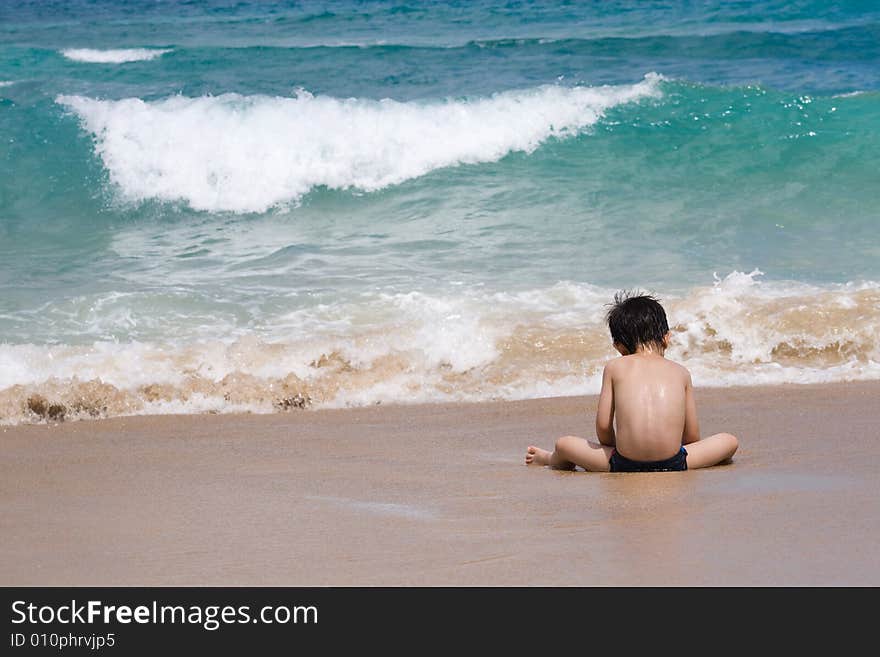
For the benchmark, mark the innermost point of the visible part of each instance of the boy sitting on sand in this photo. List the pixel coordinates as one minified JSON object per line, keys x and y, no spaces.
{"x":652,"y":400}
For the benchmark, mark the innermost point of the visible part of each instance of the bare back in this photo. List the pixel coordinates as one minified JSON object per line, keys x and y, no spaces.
{"x":649,"y":404}
{"x":646,"y":412}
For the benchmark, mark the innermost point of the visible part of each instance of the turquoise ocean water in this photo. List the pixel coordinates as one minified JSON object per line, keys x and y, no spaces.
{"x":220,"y":206}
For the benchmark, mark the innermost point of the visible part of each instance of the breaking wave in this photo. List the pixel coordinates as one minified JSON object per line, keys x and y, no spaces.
{"x":474,"y":346}
{"x":117,"y":56}
{"x":249,"y":153}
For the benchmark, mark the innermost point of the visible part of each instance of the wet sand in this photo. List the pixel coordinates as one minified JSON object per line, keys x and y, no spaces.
{"x":439,"y":495}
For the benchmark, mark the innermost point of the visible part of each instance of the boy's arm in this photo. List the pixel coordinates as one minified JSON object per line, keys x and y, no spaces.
{"x":605,"y":412}
{"x":691,"y":433}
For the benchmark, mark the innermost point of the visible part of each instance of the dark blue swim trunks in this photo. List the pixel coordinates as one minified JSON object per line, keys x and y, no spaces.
{"x":620,"y":463}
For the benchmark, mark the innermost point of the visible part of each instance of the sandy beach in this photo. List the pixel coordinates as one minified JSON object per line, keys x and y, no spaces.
{"x":439,"y":495}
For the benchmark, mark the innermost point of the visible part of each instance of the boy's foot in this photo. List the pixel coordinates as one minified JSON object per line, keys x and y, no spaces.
{"x":537,"y":456}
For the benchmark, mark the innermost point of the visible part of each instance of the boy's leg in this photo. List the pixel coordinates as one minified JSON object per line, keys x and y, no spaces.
{"x":571,"y":451}
{"x":711,"y":451}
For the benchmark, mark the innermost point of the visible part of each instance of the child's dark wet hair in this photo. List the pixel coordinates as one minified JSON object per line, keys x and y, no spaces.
{"x":637,"y":319}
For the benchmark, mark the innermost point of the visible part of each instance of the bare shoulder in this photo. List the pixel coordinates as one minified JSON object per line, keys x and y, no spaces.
{"x":613,"y":366}
{"x":680,"y":371}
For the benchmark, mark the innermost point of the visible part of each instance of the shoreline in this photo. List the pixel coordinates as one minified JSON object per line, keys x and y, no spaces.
{"x":711,"y":393}
{"x":437,"y":494}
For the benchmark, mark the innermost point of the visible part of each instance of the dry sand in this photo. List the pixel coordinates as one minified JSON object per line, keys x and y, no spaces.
{"x":439,"y":495}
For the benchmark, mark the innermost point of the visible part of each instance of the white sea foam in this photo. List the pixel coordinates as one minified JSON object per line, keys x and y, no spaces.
{"x":470,"y":346}
{"x":116,"y":56}
{"x":250,"y":153}
{"x":6,"y":83}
